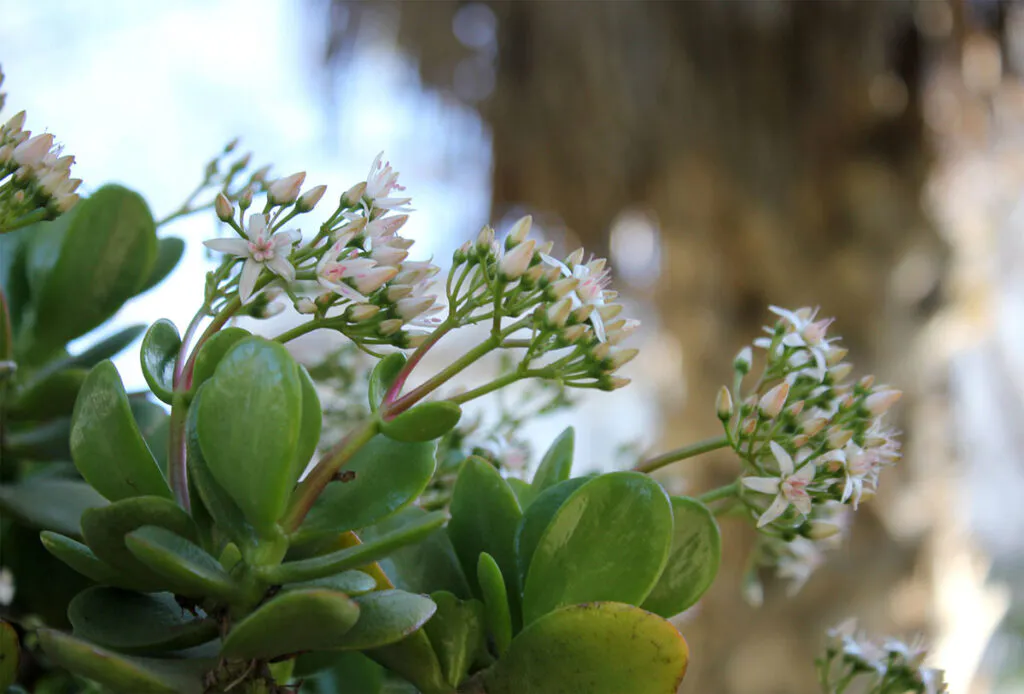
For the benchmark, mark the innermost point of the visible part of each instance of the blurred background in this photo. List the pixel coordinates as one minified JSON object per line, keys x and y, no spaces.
{"x":867,"y":157}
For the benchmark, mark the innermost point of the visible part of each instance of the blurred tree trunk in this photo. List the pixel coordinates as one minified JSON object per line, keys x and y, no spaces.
{"x":780,"y":146}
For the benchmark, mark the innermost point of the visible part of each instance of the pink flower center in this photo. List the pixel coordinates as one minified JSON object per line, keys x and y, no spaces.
{"x":261,"y":250}
{"x":794,"y":488}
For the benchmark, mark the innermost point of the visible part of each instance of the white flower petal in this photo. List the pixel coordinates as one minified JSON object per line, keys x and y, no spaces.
{"x":598,"y":323}
{"x":344,"y":291}
{"x":257,"y":226}
{"x":803,"y":504}
{"x":783,"y":458}
{"x":806,"y":473}
{"x":777,"y":508}
{"x":765,"y":485}
{"x":549,"y":260}
{"x":247,"y":282}
{"x":286,"y":237}
{"x":282,"y":267}
{"x":238,"y":247}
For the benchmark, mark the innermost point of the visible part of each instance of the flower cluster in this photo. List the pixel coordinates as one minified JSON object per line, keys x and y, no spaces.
{"x":356,"y":266}
{"x":35,"y":180}
{"x":888,"y":666}
{"x":808,"y":434}
{"x":566,"y":304}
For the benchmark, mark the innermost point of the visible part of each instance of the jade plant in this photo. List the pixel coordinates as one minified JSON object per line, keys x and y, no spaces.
{"x":239,"y":546}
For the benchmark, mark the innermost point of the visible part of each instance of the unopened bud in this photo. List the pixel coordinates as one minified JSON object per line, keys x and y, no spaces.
{"x":516,"y":261}
{"x":840,"y":371}
{"x":774,"y":400}
{"x":723,"y":404}
{"x":411,"y":307}
{"x":562,"y":287}
{"x":245,"y":200}
{"x":574,"y":333}
{"x":360,"y":312}
{"x":743,"y":360}
{"x":813,"y":426}
{"x":866,"y":382}
{"x":305,"y":306}
{"x":796,"y":408}
{"x":614,"y":383}
{"x":519,"y":231}
{"x":16,"y":123}
{"x":546,"y":247}
{"x":822,"y":530}
{"x":609,"y":311}
{"x":223,"y":207}
{"x":285,"y":190}
{"x":837,"y":438}
{"x":310,"y":198}
{"x":374,"y":279}
{"x":800,"y":440}
{"x":582,"y":313}
{"x":535,"y":274}
{"x":390,"y":326}
{"x":558,"y":313}
{"x":880,"y":401}
{"x":620,"y":330}
{"x":352,"y":196}
{"x":398,"y":291}
{"x":575,"y":258}
{"x":485,"y":240}
{"x":834,"y":355}
{"x":414,"y":341}
{"x":31,"y":152}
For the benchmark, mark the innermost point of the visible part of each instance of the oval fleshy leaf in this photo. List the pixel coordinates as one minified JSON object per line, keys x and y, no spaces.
{"x":492,"y":585}
{"x":608,"y":541}
{"x":351,"y":583}
{"x":424,"y":567}
{"x":122,"y":673}
{"x":338,"y":672}
{"x":185,"y":567}
{"x":414,"y":659}
{"x":301,"y":620}
{"x":386,"y":616}
{"x":536,"y":519}
{"x":82,"y":559}
{"x":692,"y":561}
{"x":213,"y":350}
{"x":522,"y":490}
{"x":612,"y":648}
{"x":53,"y":396}
{"x":382,"y":376}
{"x":50,"y":503}
{"x":556,"y":464}
{"x":105,"y":530}
{"x":10,"y":653}
{"x":485,"y":515}
{"x":354,"y":557}
{"x":160,"y":348}
{"x":106,"y":255}
{"x":388,"y":475}
{"x":456,"y":632}
{"x":135,"y":622}
{"x":248,"y":423}
{"x":106,"y":444}
{"x":424,"y":422}
{"x":168,"y":252}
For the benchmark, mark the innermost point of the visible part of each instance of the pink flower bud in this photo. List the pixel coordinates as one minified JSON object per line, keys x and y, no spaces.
{"x":305,"y":306}
{"x":562,"y":287}
{"x":772,"y":402}
{"x":723,"y":403}
{"x":558,"y":313}
{"x":880,"y":401}
{"x":516,"y":261}
{"x":31,"y":152}
{"x":743,"y":360}
{"x":574,"y":333}
{"x":374,"y":279}
{"x":360,"y":312}
{"x":310,"y":198}
{"x":16,"y":123}
{"x":223,"y":207}
{"x":285,"y":190}
{"x":609,"y":311}
{"x":390,"y":326}
{"x":575,"y":258}
{"x":519,"y":230}
{"x":485,"y":239}
{"x":352,"y":196}
{"x":411,"y":307}
{"x":837,"y":438}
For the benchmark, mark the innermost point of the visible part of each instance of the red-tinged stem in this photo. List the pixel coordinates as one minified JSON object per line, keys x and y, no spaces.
{"x":396,"y":387}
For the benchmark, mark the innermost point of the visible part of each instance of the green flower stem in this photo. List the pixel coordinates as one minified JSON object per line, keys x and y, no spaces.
{"x":500,"y":382}
{"x":309,"y":489}
{"x":38,"y":215}
{"x":298,"y":331}
{"x":720,"y":493}
{"x":664,"y":459}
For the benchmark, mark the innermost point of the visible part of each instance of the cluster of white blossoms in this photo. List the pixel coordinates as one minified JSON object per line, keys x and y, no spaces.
{"x":812,"y":437}
{"x":35,"y":179}
{"x":875,"y":667}
{"x":564,"y":303}
{"x":356,"y":266}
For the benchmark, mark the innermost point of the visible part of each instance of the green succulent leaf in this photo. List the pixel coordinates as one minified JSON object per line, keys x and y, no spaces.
{"x":386,"y":616}
{"x":312,"y":422}
{"x":536,"y":519}
{"x":300,"y":620}
{"x":556,"y":464}
{"x":121,"y":673}
{"x":107,"y":253}
{"x":485,"y":514}
{"x":106,"y":444}
{"x":456,"y":632}
{"x":598,"y":648}
{"x":424,"y":567}
{"x":105,"y":530}
{"x":44,"y":584}
{"x":135,"y":622}
{"x":53,"y":396}
{"x":10,"y":654}
{"x":168,"y":252}
{"x":50,"y":503}
{"x":213,"y":350}
{"x":160,"y":348}
{"x":492,"y":585}
{"x":43,"y":442}
{"x":692,"y":562}
{"x":424,"y":422}
{"x":185,"y":567}
{"x":389,"y":475}
{"x":383,"y":375}
{"x":248,"y":422}
{"x":354,"y":557}
{"x":82,"y":559}
{"x":609,"y":541}
{"x":338,"y":672}
{"x":523,"y":491}
{"x":352,"y":583}
{"x":213,"y":499}
{"x":414,"y":659}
